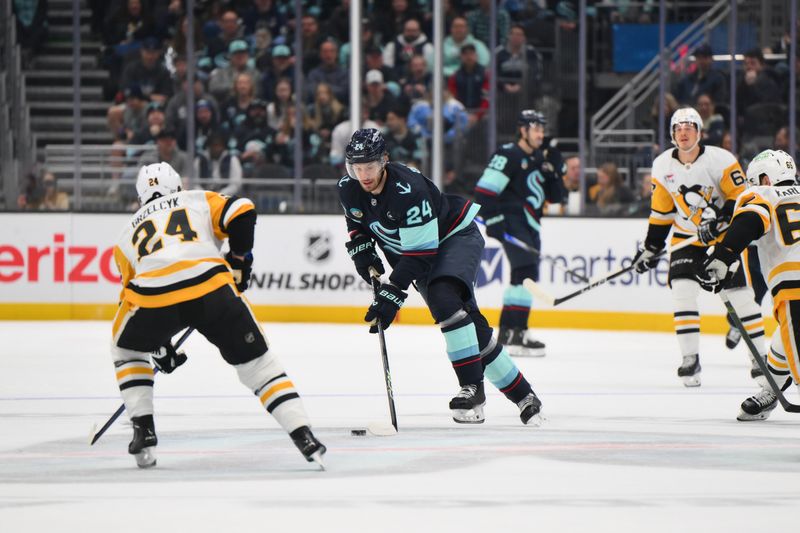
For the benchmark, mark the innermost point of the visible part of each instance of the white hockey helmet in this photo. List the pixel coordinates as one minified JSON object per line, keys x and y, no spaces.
{"x":682,"y":116}
{"x":158,"y":179}
{"x":777,"y":165}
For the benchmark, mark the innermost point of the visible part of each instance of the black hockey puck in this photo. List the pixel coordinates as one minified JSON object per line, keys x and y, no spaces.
{"x":358,"y":432}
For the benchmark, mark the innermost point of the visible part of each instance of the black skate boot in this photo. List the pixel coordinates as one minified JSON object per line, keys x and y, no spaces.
{"x":467,"y":405}
{"x":519,"y":344}
{"x":529,"y":408}
{"x":732,"y":338}
{"x":144,"y":442}
{"x":309,"y":446}
{"x":758,"y":407}
{"x":689,"y":371}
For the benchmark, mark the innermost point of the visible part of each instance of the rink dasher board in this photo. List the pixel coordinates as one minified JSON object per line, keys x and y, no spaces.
{"x":60,"y":266}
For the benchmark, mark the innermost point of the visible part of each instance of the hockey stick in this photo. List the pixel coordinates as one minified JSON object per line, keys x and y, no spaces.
{"x":95,"y":436}
{"x":528,"y":248}
{"x":537,"y":291}
{"x":786,"y":404}
{"x":375,"y":428}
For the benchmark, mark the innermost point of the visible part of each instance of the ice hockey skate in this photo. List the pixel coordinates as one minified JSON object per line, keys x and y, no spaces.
{"x":758,"y":407}
{"x":467,"y":405}
{"x":732,"y":338}
{"x":689,"y":371}
{"x":529,"y":410}
{"x":519,"y":343}
{"x":309,"y":446}
{"x":144,"y":442}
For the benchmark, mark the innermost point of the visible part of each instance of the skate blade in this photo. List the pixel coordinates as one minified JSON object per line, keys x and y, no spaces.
{"x":317,"y":458}
{"x":691,"y":381}
{"x":146,"y":458}
{"x":747,"y":417}
{"x":535,"y":421}
{"x":469,"y":416}
{"x":520,"y":351}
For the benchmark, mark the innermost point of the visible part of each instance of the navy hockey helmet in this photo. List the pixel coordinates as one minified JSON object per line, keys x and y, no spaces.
{"x":365,"y":145}
{"x":528,"y":117}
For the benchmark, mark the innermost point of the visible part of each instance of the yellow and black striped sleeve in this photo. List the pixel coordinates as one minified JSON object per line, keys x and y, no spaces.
{"x":224,"y":209}
{"x":752,"y":202}
{"x":662,"y":206}
{"x":732,"y":181}
{"x":126,"y":270}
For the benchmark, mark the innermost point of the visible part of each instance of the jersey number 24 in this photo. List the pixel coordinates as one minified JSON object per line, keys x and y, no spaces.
{"x":178,"y":224}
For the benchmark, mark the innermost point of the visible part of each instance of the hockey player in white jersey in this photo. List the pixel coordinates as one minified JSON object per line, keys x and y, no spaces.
{"x":767,"y":213}
{"x":694,"y":191}
{"x":174,"y":277}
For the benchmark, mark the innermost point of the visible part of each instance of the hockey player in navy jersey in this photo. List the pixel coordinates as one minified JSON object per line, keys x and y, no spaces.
{"x":512,"y":191}
{"x":431,"y":240}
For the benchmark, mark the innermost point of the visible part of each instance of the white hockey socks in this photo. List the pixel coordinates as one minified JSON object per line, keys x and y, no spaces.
{"x":266,"y":378}
{"x":686,"y":315}
{"x":135,"y":379}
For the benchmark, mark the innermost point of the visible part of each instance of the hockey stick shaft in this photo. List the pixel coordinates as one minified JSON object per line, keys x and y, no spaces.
{"x":528,"y":248}
{"x":119,"y":411}
{"x":534,"y":288}
{"x":786,"y":404}
{"x":376,"y":284}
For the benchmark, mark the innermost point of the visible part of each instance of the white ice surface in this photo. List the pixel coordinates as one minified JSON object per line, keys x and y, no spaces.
{"x":625,"y":446}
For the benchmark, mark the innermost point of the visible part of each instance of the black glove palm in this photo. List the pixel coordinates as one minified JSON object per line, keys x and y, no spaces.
{"x":496,"y":227}
{"x":718,"y":269}
{"x":242,"y":269}
{"x":388,"y":300}
{"x":167,"y":359}
{"x":362,"y":251}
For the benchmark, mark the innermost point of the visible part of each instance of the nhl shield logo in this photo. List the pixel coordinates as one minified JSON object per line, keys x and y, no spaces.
{"x":318,"y":246}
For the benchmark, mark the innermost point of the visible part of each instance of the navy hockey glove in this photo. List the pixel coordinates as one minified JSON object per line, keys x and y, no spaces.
{"x":362,"y":251}
{"x":718,"y":268}
{"x":242,"y":269}
{"x":646,"y":258}
{"x":712,"y":224}
{"x":167,"y":359}
{"x":388,"y":300}
{"x":496,"y":227}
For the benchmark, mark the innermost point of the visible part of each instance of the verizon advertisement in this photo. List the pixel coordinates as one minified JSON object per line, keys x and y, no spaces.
{"x":302,"y":260}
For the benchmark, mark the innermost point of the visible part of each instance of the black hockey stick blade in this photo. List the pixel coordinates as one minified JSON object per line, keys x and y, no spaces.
{"x":376,"y":283}
{"x":121,"y":408}
{"x":786,"y":404}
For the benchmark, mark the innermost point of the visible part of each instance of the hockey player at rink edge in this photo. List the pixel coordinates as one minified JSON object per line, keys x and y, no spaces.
{"x":764,"y":214}
{"x":512,"y":191}
{"x":694,"y":192}
{"x":430,"y":239}
{"x":174,"y":277}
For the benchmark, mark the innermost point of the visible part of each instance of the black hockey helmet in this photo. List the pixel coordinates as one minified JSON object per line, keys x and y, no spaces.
{"x":365,"y":145}
{"x":528,"y":117}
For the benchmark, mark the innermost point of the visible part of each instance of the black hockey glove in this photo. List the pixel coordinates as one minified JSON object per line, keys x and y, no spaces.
{"x":362,"y":251}
{"x":242,"y":269}
{"x":646,"y":258}
{"x":167,"y":359}
{"x":496,"y":227}
{"x":718,"y":268}
{"x":388,"y":300}
{"x":712,"y":224}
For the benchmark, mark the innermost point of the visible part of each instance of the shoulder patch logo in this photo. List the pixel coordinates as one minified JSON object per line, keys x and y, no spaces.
{"x":356,"y":212}
{"x":525,"y":164}
{"x":404,"y":188}
{"x":343,"y":180}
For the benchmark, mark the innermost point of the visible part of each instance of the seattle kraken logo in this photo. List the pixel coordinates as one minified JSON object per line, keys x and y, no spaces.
{"x":534,"y":182}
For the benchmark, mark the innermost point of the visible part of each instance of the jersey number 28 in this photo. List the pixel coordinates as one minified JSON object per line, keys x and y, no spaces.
{"x":178,"y":224}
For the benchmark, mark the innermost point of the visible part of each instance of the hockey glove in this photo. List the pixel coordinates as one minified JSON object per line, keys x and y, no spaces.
{"x":712,"y":224}
{"x":388,"y":300}
{"x":496,"y":227}
{"x":646,"y":258}
{"x":166,"y":359}
{"x":718,"y":268}
{"x":362,"y":251}
{"x":242,"y":269}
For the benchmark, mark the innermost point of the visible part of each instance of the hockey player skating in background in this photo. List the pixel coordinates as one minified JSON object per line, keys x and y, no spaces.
{"x":173,"y":277}
{"x":431,"y":240}
{"x":512,"y":191}
{"x":694,"y":191}
{"x":766,"y":213}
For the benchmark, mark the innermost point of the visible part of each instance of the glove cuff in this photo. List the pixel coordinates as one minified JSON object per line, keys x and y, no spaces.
{"x":725,"y":254}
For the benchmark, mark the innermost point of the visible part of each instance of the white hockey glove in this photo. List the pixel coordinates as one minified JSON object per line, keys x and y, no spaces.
{"x":712,"y":224}
{"x":646,"y":257}
{"x":718,"y":268}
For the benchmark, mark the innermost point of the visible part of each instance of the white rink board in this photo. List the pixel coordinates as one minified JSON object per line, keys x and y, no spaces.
{"x":301,"y":260}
